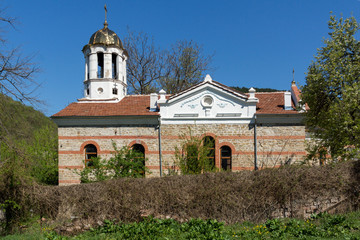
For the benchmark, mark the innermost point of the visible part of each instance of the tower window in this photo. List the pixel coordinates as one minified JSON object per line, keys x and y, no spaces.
{"x":100,"y":71}
{"x":87,"y":91}
{"x":114,"y":66}
{"x":115,"y":91}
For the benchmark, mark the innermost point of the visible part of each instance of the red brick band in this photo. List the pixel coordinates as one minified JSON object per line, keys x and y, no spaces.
{"x":108,"y":137}
{"x":69,"y":181}
{"x":71,"y":167}
{"x":177,"y":137}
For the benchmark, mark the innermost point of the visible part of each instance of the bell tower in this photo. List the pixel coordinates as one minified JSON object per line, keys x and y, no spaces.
{"x":105,"y":67}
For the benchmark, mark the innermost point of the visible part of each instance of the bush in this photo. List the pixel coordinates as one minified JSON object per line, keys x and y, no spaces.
{"x":125,"y":163}
{"x":196,"y":155}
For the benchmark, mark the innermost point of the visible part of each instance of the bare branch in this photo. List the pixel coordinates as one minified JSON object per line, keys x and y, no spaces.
{"x":145,"y":64}
{"x":185,"y":66}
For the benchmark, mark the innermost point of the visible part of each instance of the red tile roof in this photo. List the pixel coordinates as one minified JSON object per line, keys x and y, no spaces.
{"x":272,"y":103}
{"x":138,"y":105}
{"x":131,"y":105}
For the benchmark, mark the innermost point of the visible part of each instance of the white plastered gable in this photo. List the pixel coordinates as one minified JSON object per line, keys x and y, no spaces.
{"x":208,"y":102}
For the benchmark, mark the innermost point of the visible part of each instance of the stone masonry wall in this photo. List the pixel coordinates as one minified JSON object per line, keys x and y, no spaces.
{"x":72,"y":141}
{"x":276,"y":145}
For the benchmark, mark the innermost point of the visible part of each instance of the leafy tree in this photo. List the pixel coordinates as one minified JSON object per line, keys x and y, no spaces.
{"x":43,"y":155}
{"x":193,"y":157}
{"x":186,"y":65}
{"x":332,"y":90}
{"x":125,"y":163}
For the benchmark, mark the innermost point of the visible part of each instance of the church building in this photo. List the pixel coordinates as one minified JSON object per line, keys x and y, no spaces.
{"x":245,"y":129}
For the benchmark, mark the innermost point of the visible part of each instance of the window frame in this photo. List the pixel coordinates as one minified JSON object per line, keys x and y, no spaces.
{"x":91,"y":154}
{"x":227,"y":158}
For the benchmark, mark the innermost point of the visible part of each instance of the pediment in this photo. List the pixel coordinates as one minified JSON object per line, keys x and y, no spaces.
{"x":207,"y":100}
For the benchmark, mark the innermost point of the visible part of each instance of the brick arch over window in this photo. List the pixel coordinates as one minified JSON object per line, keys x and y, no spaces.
{"x":232,"y":152}
{"x":82,"y":148}
{"x":229,"y":144}
{"x":90,"y":149}
{"x":132,"y":143}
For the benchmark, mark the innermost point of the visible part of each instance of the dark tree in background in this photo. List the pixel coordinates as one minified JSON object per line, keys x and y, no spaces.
{"x":332,"y":91}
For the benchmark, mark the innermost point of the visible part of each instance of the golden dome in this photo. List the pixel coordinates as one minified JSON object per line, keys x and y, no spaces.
{"x":105,"y":37}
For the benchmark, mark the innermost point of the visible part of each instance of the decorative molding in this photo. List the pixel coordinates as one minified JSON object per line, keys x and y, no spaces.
{"x":222,"y":105}
{"x":207,"y":92}
{"x":192,"y":106}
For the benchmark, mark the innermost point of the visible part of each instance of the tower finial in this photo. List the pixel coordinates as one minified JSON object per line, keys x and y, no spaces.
{"x":105,"y":23}
{"x":293,"y":81}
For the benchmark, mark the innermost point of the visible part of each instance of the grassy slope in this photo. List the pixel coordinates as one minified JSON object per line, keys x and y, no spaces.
{"x":19,"y":122}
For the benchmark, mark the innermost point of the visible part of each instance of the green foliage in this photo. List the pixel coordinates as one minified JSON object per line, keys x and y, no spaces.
{"x":320,"y":226}
{"x":195,"y":155}
{"x":151,"y":228}
{"x":28,"y":153}
{"x":44,"y":156}
{"x":28,"y":142}
{"x":125,"y":163}
{"x":332,"y":90}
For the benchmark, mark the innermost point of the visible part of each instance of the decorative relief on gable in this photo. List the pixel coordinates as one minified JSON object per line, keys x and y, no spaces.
{"x":222,"y":105}
{"x":207,"y":101}
{"x":192,"y":106}
{"x":202,"y":95}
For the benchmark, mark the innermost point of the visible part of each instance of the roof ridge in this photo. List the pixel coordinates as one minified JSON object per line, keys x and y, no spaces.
{"x":270,"y":92}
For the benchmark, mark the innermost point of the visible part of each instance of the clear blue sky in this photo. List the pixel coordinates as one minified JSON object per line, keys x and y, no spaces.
{"x":256,"y":43}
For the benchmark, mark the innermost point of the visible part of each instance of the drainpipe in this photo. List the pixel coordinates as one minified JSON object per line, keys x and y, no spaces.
{"x":160,"y":160}
{"x":255,"y":146}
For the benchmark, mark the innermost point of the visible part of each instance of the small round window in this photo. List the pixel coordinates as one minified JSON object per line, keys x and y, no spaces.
{"x":100,"y":90}
{"x":207,"y":101}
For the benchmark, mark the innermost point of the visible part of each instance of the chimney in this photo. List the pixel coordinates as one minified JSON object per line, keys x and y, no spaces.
{"x":153,"y":102}
{"x":252,"y":93}
{"x":287,"y":101}
{"x":252,"y":100}
{"x":162,"y":98}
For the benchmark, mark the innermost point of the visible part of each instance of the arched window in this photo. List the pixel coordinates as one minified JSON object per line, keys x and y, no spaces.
{"x":114,"y":66}
{"x":225,"y":155}
{"x":90,"y":152}
{"x":100,"y":71}
{"x":140,"y":149}
{"x":209,"y":142}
